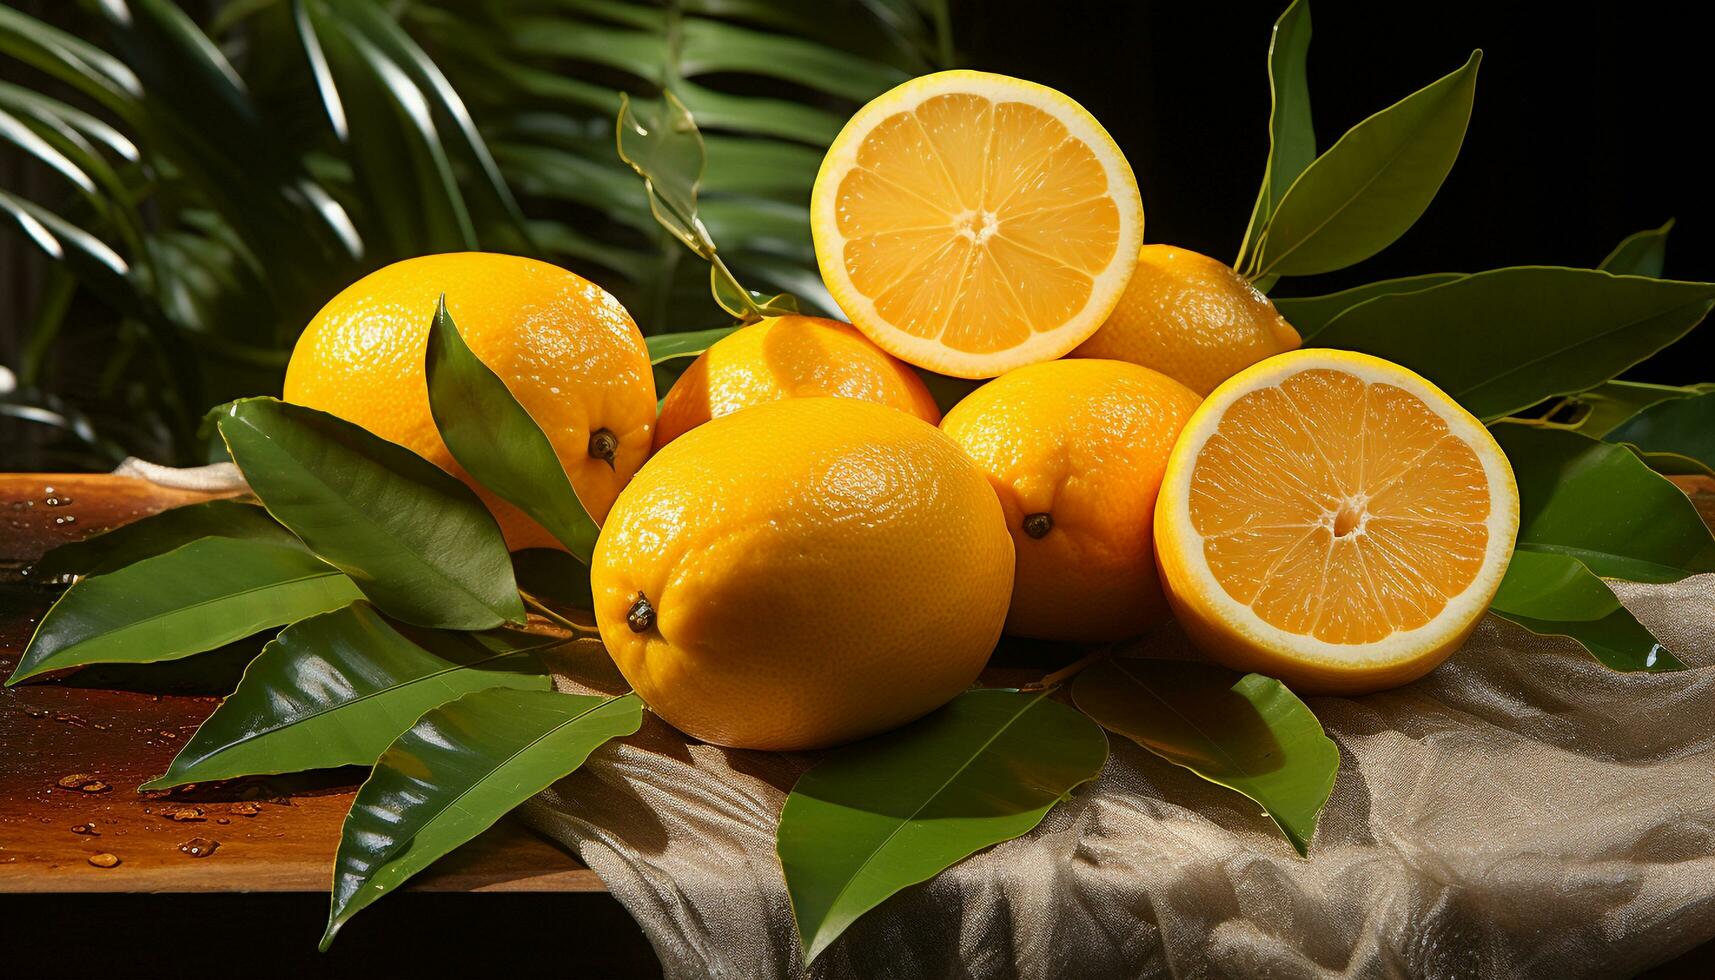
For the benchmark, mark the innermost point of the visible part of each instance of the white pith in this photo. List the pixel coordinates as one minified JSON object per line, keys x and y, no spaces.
{"x":1402,"y":645}
{"x":1106,"y":286}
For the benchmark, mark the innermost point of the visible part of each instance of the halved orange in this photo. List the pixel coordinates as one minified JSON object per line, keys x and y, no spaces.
{"x":971,"y":223}
{"x":1333,"y":520}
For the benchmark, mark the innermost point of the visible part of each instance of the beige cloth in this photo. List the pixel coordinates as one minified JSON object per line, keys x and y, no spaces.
{"x":1522,"y":811}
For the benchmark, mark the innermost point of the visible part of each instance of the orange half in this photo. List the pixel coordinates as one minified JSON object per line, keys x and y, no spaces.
{"x":971,"y":223}
{"x":1333,"y":520}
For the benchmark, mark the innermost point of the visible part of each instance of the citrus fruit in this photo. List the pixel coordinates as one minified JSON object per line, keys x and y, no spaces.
{"x":802,"y":573}
{"x":1192,"y":318}
{"x":1333,"y":520}
{"x":789,"y":357}
{"x":566,"y":349}
{"x":1076,"y":450}
{"x":971,"y":223}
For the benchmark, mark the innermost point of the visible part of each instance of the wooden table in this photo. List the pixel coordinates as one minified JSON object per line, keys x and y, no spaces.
{"x":276,"y":834}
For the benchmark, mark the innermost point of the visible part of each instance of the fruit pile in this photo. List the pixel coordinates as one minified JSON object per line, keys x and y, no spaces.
{"x":798,"y":549}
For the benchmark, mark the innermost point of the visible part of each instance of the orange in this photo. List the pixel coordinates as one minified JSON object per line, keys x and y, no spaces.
{"x":1076,"y":450}
{"x":1192,"y":318}
{"x":789,"y":357}
{"x":802,"y":573}
{"x":1333,"y":520}
{"x":971,"y":223}
{"x":566,"y":349}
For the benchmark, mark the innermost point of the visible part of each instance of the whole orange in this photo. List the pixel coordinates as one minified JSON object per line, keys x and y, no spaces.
{"x":1192,"y":318}
{"x":1076,"y":450}
{"x":566,"y":349}
{"x":802,"y":573}
{"x":789,"y":357}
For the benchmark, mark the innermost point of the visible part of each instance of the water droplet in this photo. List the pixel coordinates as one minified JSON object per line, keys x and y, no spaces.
{"x":68,"y":519}
{"x":221,"y":820}
{"x":83,"y":781}
{"x":199,"y":847}
{"x":245,"y":809}
{"x":48,"y":490}
{"x":87,"y":829}
{"x":104,"y":860}
{"x":57,"y":501}
{"x":186,"y":814}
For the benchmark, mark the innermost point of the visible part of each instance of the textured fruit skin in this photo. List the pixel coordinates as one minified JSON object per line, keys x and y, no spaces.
{"x":566,"y":349}
{"x":1086,"y":442}
{"x":789,"y":357}
{"x":1234,"y":645}
{"x":1192,"y":318}
{"x":821,"y":569}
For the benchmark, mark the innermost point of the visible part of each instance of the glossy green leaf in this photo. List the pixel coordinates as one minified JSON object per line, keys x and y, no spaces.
{"x":1309,"y":314}
{"x":460,"y":768}
{"x":417,"y":541}
{"x":191,"y":599}
{"x":662,"y":143}
{"x":880,"y":815}
{"x":1291,"y":137}
{"x":1642,"y":253}
{"x":1675,"y":435}
{"x":1556,"y":595}
{"x":1503,"y":340}
{"x":668,"y":346}
{"x":1373,"y":184}
{"x":553,"y":575}
{"x":337,"y":689}
{"x":497,"y":441}
{"x":1246,"y":732}
{"x":158,"y":534}
{"x":1600,"y":504}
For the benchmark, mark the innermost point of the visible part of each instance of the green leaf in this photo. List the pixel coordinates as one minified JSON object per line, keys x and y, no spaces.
{"x":1373,"y":184}
{"x":553,"y":575}
{"x":497,"y":441}
{"x":665,"y":347}
{"x":663,"y":145}
{"x":1556,"y":595}
{"x":460,"y":768}
{"x":1245,"y":732}
{"x":1601,"y":505}
{"x":1291,"y":137}
{"x":417,"y":541}
{"x":1642,"y":253}
{"x":191,"y":599}
{"x":337,"y":689}
{"x":1309,"y":314}
{"x":948,"y":391}
{"x":1603,"y":408}
{"x":1503,"y":340}
{"x":1675,"y":435}
{"x":158,"y":534}
{"x":882,"y":814}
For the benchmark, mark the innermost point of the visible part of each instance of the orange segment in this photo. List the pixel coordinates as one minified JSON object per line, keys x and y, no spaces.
{"x":1333,"y":519}
{"x":971,"y":223}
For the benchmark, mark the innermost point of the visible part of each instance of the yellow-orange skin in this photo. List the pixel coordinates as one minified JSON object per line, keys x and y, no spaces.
{"x":789,"y":357}
{"x":566,"y":349}
{"x":821,"y":569}
{"x":1192,"y":318}
{"x":1085,"y":442}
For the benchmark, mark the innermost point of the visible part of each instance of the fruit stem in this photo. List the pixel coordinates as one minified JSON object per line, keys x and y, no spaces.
{"x":603,"y":445}
{"x":559,"y":620}
{"x":1071,"y":670}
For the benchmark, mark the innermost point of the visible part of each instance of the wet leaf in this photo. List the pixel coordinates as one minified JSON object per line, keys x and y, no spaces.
{"x":417,"y":541}
{"x":1601,"y":505}
{"x":460,"y":768}
{"x":1371,"y":185}
{"x":1555,"y":595}
{"x":191,"y":599}
{"x":338,"y":688}
{"x":497,"y":442}
{"x":662,"y":143}
{"x":882,"y":814}
{"x":1503,"y":340}
{"x":1246,"y":732}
